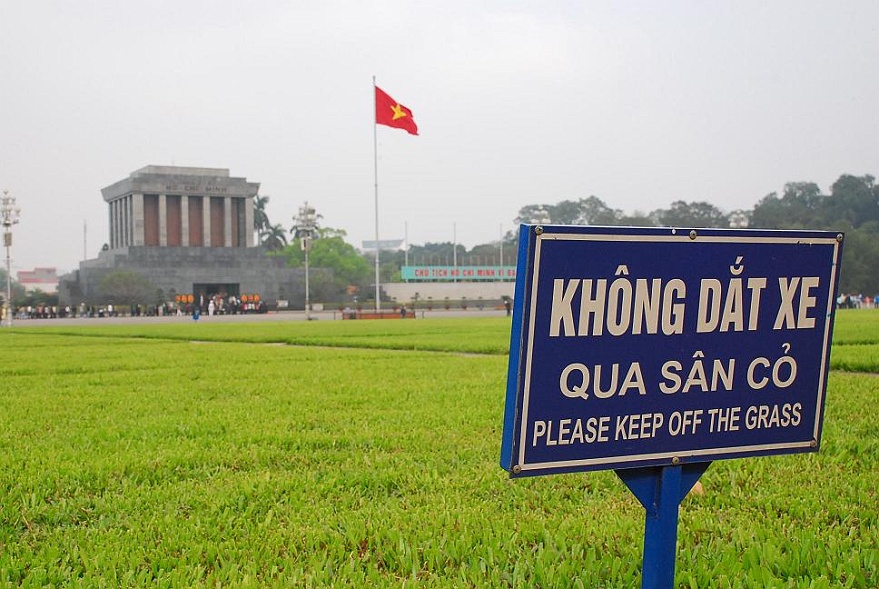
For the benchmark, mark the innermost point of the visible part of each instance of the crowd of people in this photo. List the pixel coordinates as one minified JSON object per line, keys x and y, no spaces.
{"x":206,"y":305}
{"x":856,"y":301}
{"x":89,"y":311}
{"x":220,"y":304}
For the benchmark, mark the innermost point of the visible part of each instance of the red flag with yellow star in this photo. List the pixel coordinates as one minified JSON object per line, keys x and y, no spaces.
{"x":393,"y":114}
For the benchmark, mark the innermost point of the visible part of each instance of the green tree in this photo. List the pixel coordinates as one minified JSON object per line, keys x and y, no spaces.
{"x":852,"y":206}
{"x":636,"y":219}
{"x":18,"y":291}
{"x":487,"y":254}
{"x":692,"y":214}
{"x":274,"y":238}
{"x":435,"y":253}
{"x":330,"y":251}
{"x":565,"y":212}
{"x":539,"y":214}
{"x":769,"y":213}
{"x":853,"y":200}
{"x":800,"y":206}
{"x":260,"y":217}
{"x":860,"y":258}
{"x":38,"y":297}
{"x":593,"y":211}
{"x":585,"y":211}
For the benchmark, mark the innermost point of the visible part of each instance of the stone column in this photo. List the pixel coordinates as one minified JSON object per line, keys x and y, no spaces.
{"x":206,"y":219}
{"x":184,"y":220}
{"x":125,"y":219}
{"x":163,"y":220}
{"x":112,"y":211}
{"x":227,"y":222}
{"x":137,"y":237}
{"x":248,"y":222}
{"x":116,"y":239}
{"x":118,"y":232}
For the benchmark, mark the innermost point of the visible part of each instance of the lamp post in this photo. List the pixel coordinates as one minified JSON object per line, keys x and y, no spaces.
{"x":306,"y":222}
{"x":9,"y":215}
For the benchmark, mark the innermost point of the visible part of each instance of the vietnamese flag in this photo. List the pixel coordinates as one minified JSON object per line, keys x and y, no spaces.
{"x":393,"y":114}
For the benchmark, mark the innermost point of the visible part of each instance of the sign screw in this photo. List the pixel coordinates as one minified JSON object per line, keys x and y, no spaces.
{"x":538,"y":230}
{"x":517,"y":469}
{"x":839,"y":237}
{"x":813,"y":443}
{"x":693,"y":234}
{"x":675,"y":460}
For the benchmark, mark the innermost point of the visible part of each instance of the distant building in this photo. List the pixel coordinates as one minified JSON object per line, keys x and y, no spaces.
{"x":188,"y":231}
{"x":42,"y":279}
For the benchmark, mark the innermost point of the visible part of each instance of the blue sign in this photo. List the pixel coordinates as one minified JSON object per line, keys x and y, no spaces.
{"x":638,"y":347}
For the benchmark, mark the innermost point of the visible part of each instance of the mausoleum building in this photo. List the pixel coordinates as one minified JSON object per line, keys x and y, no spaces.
{"x":168,"y":206}
{"x":187,"y":231}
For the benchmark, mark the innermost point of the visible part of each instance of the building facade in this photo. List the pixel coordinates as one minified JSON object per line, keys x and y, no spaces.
{"x":186,"y":231}
{"x":169,"y":206}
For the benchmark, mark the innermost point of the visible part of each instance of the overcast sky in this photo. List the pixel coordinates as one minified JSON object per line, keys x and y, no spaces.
{"x":640,"y":103}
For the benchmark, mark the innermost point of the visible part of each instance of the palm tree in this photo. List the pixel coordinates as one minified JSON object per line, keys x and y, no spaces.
{"x":274,"y":238}
{"x":260,"y":218}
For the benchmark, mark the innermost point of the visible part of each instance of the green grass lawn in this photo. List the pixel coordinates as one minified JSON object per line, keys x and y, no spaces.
{"x":181,"y":455}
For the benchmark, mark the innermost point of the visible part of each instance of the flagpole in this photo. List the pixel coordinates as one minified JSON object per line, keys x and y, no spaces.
{"x":375,"y":165}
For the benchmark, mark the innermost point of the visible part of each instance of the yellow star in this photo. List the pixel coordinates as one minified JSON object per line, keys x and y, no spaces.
{"x":398,"y":112}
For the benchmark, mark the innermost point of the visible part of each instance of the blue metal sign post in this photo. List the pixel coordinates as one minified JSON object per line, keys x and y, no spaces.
{"x":654,"y":351}
{"x":660,"y":490}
